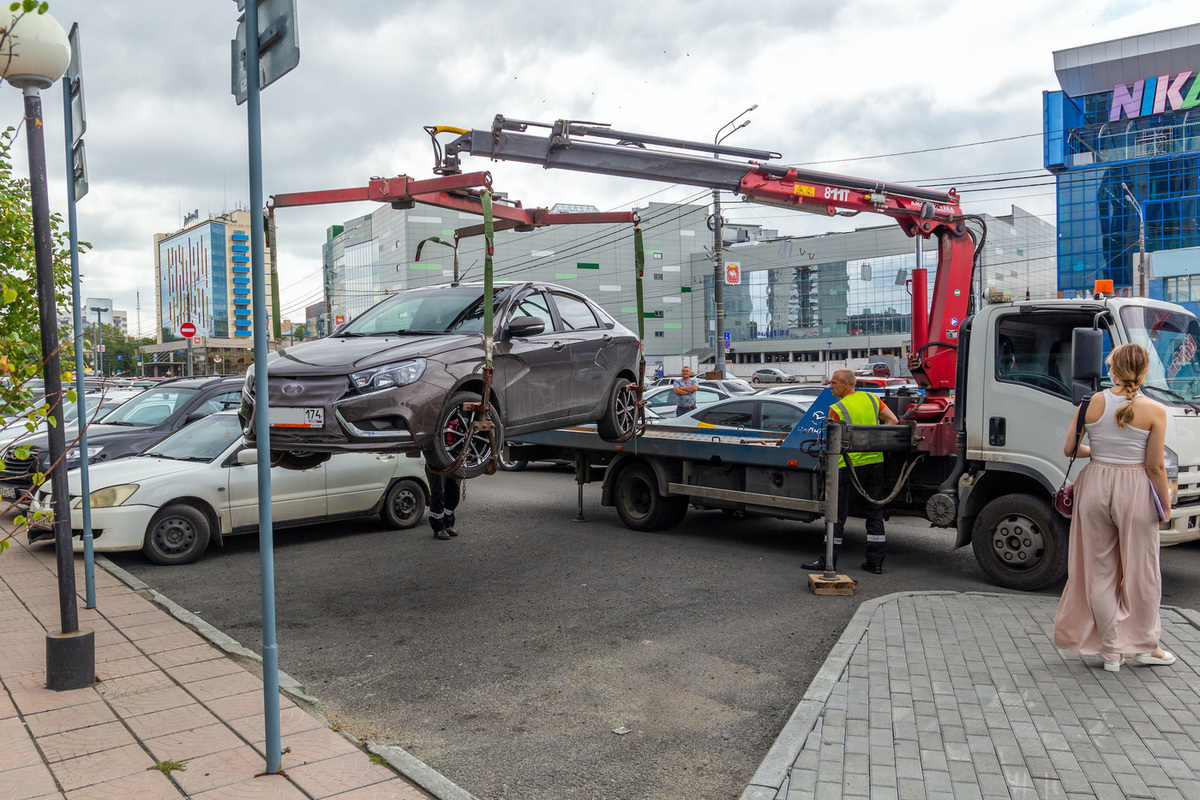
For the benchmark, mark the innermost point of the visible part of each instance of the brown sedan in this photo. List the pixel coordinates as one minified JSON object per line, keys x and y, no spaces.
{"x":398,"y":376}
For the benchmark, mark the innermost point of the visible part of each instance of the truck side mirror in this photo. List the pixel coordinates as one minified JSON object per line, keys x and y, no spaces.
{"x":1087,"y":361}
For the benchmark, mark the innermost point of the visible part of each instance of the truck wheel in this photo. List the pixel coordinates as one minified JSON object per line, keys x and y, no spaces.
{"x":403,"y":505}
{"x":177,"y":535}
{"x":639,"y":504}
{"x":620,"y":413}
{"x":1021,"y":542}
{"x":450,"y":437}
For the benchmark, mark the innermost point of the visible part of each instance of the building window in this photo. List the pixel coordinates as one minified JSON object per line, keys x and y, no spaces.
{"x":658,"y":334}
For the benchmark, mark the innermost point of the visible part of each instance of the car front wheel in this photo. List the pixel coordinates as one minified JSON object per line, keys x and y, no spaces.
{"x":177,"y":535}
{"x":403,"y":505}
{"x":453,"y":436}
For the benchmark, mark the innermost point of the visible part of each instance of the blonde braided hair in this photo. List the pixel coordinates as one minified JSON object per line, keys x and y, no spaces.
{"x":1129,"y":364}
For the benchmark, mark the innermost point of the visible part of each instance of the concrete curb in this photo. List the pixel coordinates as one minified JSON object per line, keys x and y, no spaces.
{"x":774,"y":771}
{"x":408,"y":765}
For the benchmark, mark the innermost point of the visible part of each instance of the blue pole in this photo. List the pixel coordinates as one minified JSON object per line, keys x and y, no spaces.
{"x":89,"y":563}
{"x":262,"y":427}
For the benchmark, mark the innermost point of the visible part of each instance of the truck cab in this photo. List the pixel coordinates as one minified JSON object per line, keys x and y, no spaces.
{"x":1017,"y":401}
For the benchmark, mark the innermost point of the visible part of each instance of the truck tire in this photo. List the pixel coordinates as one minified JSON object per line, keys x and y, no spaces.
{"x":1020,"y":541}
{"x":639,"y":504}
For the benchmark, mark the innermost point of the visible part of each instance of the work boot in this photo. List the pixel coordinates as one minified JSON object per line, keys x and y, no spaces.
{"x":451,"y":531}
{"x":443,"y":535}
{"x":818,"y":565}
{"x":867,"y":566}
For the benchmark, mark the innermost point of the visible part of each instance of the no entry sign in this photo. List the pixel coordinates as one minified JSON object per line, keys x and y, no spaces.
{"x":187,"y":330}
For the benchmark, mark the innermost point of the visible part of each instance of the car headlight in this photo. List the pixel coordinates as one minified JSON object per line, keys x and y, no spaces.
{"x":1171,"y":461}
{"x":109,"y":496}
{"x":74,"y":455}
{"x":388,"y":376}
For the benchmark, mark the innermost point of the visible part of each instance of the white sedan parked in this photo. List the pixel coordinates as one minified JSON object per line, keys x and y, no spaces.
{"x":201,"y":483}
{"x":774,"y":414}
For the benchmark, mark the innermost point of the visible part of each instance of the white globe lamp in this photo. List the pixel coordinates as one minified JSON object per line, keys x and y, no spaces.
{"x":35,"y":52}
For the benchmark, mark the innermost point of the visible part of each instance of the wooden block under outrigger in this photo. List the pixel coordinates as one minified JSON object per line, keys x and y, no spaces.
{"x":838,"y":585}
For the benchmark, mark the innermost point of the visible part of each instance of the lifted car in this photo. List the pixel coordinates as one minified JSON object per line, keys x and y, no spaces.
{"x":403,"y":376}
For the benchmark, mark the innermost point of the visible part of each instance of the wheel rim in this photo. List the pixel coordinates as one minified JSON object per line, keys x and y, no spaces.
{"x":174,"y":536}
{"x":637,"y":496}
{"x":404,"y":504}
{"x":455,"y":437}
{"x":1018,"y":542}
{"x":626,"y":408}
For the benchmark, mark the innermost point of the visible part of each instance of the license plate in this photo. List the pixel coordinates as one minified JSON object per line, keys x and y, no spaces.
{"x":297,"y":417}
{"x":8,"y":493}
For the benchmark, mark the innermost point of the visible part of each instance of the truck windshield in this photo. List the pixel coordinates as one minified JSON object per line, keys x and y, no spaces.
{"x":1173,"y":339}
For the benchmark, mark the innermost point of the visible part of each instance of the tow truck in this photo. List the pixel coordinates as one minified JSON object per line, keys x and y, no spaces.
{"x":979,"y":449}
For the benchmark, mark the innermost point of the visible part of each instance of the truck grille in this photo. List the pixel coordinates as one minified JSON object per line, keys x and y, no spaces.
{"x":1189,"y":486}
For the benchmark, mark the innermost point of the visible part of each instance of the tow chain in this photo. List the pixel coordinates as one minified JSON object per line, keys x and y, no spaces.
{"x":482,"y":408}
{"x":900,"y":482}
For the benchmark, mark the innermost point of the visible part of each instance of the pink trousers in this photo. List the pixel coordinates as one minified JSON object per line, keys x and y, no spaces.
{"x":1114,"y":585}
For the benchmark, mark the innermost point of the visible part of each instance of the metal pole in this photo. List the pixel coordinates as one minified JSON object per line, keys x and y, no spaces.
{"x":262,"y":428}
{"x":99,"y":344}
{"x":89,"y":561}
{"x":718,"y":286}
{"x":70,"y":653}
{"x":1141,"y":241}
{"x":833,"y":449}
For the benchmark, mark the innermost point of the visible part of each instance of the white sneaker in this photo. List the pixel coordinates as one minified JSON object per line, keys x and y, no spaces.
{"x":1150,"y":660}
{"x":1114,"y":666}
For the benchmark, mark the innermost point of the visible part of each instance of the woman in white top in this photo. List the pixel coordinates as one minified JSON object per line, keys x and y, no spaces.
{"x":1110,"y":604}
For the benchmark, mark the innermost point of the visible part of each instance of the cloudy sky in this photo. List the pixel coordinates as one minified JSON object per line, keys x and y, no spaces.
{"x":944,"y":92}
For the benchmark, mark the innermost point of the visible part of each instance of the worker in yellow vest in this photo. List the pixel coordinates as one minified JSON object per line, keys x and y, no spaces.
{"x":859,"y":408}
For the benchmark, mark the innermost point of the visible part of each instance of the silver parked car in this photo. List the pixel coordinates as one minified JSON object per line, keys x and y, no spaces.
{"x":771,"y":375}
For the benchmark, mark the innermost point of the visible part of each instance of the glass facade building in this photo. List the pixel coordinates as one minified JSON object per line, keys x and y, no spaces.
{"x":1122,"y":137}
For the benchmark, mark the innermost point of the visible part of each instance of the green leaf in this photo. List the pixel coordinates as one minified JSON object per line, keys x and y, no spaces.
{"x":10,"y":295}
{"x":22,"y":451}
{"x":14,"y":8}
{"x":4,"y":545}
{"x":21,"y":519}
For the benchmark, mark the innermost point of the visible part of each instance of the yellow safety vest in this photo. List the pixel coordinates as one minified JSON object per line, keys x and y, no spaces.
{"x":859,"y":408}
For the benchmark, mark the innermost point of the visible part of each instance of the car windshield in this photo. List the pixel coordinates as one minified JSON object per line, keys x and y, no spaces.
{"x":150,"y":407}
{"x":203,"y":440}
{"x":1173,"y":340}
{"x":444,"y":309}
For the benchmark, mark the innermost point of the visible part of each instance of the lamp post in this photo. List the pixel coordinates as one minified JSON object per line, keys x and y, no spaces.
{"x":436,"y":240}
{"x":99,"y":340}
{"x":829,"y":359}
{"x":35,"y":53}
{"x":1141,"y":241}
{"x":718,"y":254}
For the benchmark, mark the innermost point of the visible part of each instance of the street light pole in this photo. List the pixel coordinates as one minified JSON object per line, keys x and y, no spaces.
{"x":39,"y":54}
{"x":718,"y":253}
{"x":99,"y":340}
{"x":1141,"y":241}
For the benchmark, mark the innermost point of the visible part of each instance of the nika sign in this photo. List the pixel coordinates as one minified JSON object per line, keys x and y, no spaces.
{"x":1153,"y":96}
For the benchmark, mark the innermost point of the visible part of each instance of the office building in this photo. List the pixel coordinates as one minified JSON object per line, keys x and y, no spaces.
{"x":1122,"y":136}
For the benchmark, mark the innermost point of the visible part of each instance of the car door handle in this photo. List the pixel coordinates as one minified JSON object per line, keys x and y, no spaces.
{"x":385,"y":457}
{"x":607,"y":337}
{"x":558,"y":345}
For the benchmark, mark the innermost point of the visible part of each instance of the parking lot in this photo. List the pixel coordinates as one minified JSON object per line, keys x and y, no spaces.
{"x":505,"y":658}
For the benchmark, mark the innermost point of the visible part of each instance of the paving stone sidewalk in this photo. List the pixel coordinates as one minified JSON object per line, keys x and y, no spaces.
{"x":946,"y":695}
{"x":163,"y":693}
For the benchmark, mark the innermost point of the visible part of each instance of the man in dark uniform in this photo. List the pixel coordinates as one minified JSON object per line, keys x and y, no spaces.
{"x":859,"y":408}
{"x":444,"y":494}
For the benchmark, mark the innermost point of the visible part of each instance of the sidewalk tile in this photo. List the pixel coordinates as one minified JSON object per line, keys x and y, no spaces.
{"x":224,"y":686}
{"x":124,"y":667}
{"x":395,"y":789}
{"x":219,"y":769}
{"x":264,"y":787}
{"x":314,"y":745}
{"x":237,"y":706}
{"x":194,"y":743}
{"x":136,"y":704}
{"x":157,"y":724}
{"x":292,"y":720}
{"x":33,"y":701}
{"x":144,"y":785}
{"x":333,"y":775}
{"x":134,"y":684}
{"x":19,"y":753}
{"x":12,"y":729}
{"x":187,"y":655}
{"x":26,"y":783}
{"x":66,"y":719}
{"x":202,"y":670}
{"x":87,"y":770}
{"x":84,"y":741}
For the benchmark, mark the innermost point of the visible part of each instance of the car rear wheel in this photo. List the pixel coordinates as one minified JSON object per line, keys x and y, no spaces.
{"x":453,"y":437}
{"x":177,"y":535}
{"x":754,"y":379}
{"x":620,"y":413}
{"x":403,"y":505}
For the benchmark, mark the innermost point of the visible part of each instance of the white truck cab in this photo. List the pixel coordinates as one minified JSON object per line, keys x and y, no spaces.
{"x":1020,"y":392}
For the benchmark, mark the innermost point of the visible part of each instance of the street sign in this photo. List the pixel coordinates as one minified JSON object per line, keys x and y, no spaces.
{"x":278,"y":46}
{"x":726,"y":340}
{"x":195,"y":340}
{"x":733,"y":273}
{"x":340,"y":319}
{"x":74,"y":79}
{"x":217,"y":359}
{"x":101,"y":348}
{"x":187,"y":330}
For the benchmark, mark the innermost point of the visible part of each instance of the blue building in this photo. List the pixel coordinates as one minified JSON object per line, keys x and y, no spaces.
{"x":1122,"y":137}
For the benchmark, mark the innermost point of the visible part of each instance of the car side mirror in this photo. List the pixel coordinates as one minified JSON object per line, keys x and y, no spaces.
{"x":526,"y":326}
{"x":248,"y":456}
{"x":1087,"y":362}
